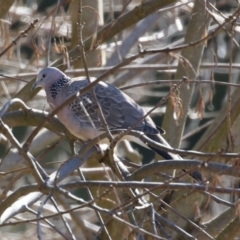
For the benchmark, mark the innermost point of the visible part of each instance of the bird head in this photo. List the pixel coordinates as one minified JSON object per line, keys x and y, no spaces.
{"x":47,"y":76}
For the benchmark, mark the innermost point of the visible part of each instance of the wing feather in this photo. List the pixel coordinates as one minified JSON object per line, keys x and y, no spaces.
{"x":119,"y":110}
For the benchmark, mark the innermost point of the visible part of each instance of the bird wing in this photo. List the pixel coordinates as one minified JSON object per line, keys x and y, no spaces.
{"x":119,"y":110}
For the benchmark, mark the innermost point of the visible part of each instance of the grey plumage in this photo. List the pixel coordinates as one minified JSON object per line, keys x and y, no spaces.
{"x":118,"y":109}
{"x":81,"y":116}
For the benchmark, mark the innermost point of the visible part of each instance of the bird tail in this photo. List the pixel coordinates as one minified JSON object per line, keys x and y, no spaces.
{"x":171,"y":156}
{"x":166,"y":155}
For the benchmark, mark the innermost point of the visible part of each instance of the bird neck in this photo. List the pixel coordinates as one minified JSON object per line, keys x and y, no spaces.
{"x":57,"y":86}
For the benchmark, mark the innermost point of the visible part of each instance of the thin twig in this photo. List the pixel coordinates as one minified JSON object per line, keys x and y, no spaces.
{"x":48,"y":222}
{"x":230,"y":143}
{"x":82,"y":52}
{"x":36,"y":170}
{"x":157,"y":185}
{"x":92,"y":199}
{"x":130,"y":67}
{"x":22,"y":34}
{"x":182,"y":216}
{"x":69,"y":230}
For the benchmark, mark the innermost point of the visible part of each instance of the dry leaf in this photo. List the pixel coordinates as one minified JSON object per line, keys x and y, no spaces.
{"x":200,"y":107}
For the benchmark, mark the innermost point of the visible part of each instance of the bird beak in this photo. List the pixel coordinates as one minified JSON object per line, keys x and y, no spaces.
{"x":35,"y":85}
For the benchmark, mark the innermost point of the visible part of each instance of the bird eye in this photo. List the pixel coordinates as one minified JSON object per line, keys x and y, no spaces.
{"x":44,"y":75}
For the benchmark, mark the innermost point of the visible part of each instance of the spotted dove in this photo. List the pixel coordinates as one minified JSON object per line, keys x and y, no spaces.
{"x":81,"y":116}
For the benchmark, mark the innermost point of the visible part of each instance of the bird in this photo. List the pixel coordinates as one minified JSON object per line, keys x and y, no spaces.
{"x":81,"y":116}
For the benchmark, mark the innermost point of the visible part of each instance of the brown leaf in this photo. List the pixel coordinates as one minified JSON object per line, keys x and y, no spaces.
{"x":200,"y":107}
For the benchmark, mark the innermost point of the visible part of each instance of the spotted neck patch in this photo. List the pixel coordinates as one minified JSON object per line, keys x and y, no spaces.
{"x":56,"y":87}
